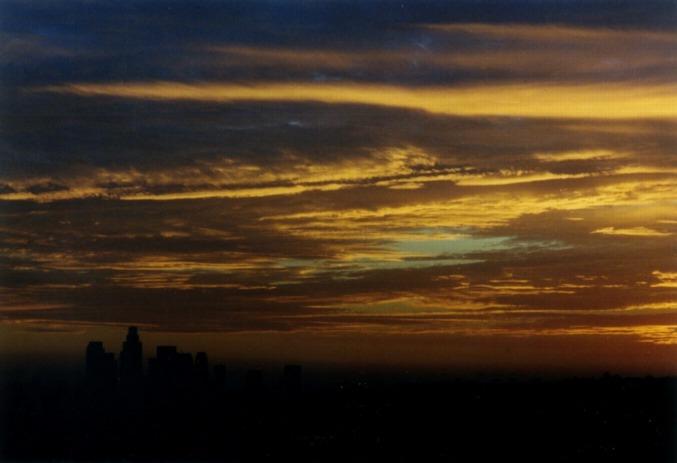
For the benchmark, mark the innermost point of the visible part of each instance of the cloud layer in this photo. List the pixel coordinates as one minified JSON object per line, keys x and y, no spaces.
{"x":444,"y":176}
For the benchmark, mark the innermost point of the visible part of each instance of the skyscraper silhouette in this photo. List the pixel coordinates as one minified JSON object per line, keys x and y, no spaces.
{"x":131,"y":358}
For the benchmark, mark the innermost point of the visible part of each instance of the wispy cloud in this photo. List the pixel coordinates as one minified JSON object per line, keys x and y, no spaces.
{"x":634,"y":231}
{"x":560,"y":101}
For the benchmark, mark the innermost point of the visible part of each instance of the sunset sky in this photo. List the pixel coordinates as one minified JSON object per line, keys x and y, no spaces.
{"x":459,"y":184}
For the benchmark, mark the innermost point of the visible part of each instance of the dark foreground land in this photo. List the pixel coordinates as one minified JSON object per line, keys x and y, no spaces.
{"x":599,"y":420}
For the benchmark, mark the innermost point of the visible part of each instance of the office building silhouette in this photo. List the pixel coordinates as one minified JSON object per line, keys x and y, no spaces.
{"x":160,"y":367}
{"x":171,"y":368}
{"x":100,"y":366}
{"x":131,"y":358}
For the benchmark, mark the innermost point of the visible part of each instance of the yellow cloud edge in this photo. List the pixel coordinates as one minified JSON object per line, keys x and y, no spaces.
{"x":602,"y":101}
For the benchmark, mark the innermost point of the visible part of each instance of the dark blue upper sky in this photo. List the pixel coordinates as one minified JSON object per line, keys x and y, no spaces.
{"x":47,"y":42}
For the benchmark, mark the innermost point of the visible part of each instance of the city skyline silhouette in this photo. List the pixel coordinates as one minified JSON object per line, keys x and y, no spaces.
{"x":179,"y":408}
{"x":338,"y":230}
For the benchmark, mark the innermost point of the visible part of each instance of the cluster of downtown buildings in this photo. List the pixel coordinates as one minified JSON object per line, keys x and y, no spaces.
{"x":169,"y":368}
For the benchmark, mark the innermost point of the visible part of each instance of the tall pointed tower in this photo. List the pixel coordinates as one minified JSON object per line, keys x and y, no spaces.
{"x":131,"y":357}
